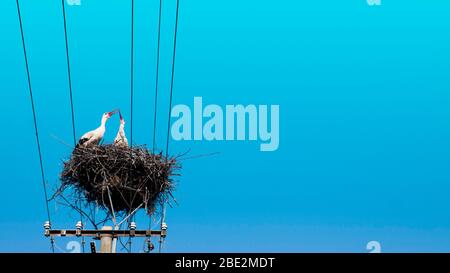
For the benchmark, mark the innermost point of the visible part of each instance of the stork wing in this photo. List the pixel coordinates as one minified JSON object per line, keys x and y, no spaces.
{"x":86,"y":137}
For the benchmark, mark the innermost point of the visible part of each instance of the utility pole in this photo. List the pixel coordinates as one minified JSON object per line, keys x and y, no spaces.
{"x":106,"y":241}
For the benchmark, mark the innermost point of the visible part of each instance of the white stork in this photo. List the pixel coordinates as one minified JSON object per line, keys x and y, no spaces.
{"x":121,"y":139}
{"x":95,"y":136}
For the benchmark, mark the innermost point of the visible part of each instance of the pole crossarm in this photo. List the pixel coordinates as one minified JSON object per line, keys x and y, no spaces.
{"x":98,"y":233}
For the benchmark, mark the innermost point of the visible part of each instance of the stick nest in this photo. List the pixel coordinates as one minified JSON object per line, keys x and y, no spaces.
{"x":119,"y":179}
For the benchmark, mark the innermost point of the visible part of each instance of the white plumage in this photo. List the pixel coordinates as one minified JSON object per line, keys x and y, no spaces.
{"x":95,"y":136}
{"x":121,"y":139}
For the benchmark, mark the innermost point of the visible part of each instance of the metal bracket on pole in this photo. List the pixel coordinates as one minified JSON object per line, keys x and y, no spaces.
{"x":98,"y":233}
{"x":106,"y":234}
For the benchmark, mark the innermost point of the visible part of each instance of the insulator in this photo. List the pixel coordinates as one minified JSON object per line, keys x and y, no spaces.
{"x":164,"y":226}
{"x":132,"y":225}
{"x":47,"y":225}
{"x":79,"y":225}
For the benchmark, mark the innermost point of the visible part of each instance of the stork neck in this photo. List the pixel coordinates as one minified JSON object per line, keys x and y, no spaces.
{"x":103,"y":123}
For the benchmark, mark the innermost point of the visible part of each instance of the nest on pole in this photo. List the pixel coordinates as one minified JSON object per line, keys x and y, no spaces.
{"x":119,"y":179}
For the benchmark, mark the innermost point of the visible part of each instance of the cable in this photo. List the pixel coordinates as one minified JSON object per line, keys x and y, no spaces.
{"x":131,"y":103}
{"x":157,"y":75}
{"x":34,"y":118}
{"x":172,"y":77}
{"x":71,"y":99}
{"x":163,"y":218}
{"x":132,"y":73}
{"x":69,"y":73}
{"x":156,"y":91}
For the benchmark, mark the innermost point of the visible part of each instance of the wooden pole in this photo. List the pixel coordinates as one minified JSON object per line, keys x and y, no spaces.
{"x":114,"y":242}
{"x":106,"y":241}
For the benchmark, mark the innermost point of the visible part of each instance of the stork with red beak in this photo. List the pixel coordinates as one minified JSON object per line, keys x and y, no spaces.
{"x":121,"y":139}
{"x":94,"y":137}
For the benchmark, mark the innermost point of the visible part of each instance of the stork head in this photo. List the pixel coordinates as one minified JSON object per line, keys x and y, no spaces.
{"x":122,"y":121}
{"x":107,"y":115}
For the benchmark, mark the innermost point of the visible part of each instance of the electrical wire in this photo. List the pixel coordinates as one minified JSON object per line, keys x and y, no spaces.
{"x":157,"y":75}
{"x":163,"y":218}
{"x":34,"y":119}
{"x":69,"y":75}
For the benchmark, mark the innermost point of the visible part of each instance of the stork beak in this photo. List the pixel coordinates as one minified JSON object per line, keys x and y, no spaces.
{"x":113,"y":112}
{"x":120,"y":114}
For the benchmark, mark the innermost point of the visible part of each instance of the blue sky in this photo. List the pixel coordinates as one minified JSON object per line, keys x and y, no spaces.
{"x":363,"y":94}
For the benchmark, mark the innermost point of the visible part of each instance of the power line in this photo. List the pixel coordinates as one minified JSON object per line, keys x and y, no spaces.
{"x":71,"y":98}
{"x":172,"y":77}
{"x":131,"y":104}
{"x":34,"y":117}
{"x":163,"y":218}
{"x":156,"y":89}
{"x":132,"y":73}
{"x":69,"y":73}
{"x":157,"y":75}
